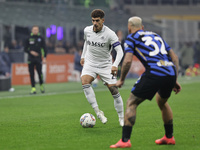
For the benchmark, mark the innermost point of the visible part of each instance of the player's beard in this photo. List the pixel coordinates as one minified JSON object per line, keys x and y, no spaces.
{"x":95,"y":28}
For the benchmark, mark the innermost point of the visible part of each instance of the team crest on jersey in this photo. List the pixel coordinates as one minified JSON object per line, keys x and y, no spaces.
{"x":102,"y":37}
{"x":39,"y":39}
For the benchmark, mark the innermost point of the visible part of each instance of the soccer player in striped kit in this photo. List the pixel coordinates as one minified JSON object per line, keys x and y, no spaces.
{"x":159,"y":78}
{"x":96,"y":60}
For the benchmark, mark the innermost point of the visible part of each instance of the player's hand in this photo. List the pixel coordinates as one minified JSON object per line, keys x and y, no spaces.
{"x":119,"y":83}
{"x":177,"y":88}
{"x":34,"y":53}
{"x":114,"y":70}
{"x":82,"y":61}
{"x":44,"y":60}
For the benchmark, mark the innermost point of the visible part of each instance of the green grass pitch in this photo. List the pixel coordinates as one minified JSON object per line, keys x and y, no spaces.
{"x":50,"y":121}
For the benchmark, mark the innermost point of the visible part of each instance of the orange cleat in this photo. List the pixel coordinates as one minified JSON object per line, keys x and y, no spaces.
{"x":121,"y":144}
{"x":165,"y":140}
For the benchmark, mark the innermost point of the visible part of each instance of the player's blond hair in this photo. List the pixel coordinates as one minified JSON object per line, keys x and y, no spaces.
{"x":135,"y":22}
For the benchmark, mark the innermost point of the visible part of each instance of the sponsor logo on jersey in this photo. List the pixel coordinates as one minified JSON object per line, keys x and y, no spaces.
{"x":96,"y":44}
{"x":125,"y":45}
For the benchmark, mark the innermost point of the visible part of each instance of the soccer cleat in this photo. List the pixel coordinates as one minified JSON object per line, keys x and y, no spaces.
{"x":101,"y":116}
{"x":165,"y":140}
{"x":33,"y":90}
{"x":121,"y":121}
{"x":42,"y":88}
{"x":121,"y":144}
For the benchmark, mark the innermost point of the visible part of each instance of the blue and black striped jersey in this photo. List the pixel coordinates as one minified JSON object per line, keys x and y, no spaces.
{"x":152,"y":51}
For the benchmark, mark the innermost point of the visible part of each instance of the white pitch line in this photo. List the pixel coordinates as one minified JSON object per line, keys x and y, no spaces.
{"x":188,"y":81}
{"x":52,"y":93}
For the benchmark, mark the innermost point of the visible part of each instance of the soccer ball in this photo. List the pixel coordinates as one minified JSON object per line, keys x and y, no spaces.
{"x":87,"y":120}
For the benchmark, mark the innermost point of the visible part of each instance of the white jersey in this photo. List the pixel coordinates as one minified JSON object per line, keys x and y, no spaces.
{"x":99,"y":45}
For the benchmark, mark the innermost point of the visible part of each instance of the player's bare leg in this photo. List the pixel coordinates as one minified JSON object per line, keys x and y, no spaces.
{"x":118,"y":103}
{"x":167,"y":117}
{"x":129,"y":121}
{"x":166,"y":111}
{"x":90,"y":95}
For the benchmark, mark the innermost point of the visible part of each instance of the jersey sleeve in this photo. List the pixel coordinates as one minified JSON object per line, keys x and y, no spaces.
{"x":167,"y":47}
{"x":85,"y":37}
{"x":114,"y":40}
{"x":129,"y":45}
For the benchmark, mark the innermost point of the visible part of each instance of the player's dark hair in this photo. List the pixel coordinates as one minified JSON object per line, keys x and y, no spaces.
{"x":97,"y":13}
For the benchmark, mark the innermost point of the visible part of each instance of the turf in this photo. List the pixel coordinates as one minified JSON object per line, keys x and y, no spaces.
{"x":50,"y":121}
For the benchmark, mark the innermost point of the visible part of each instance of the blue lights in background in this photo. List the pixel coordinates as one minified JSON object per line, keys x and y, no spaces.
{"x":60,"y":33}
{"x":53,"y":30}
{"x":48,"y":32}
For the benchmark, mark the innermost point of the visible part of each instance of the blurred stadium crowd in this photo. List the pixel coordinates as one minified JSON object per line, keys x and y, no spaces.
{"x":62,"y":22}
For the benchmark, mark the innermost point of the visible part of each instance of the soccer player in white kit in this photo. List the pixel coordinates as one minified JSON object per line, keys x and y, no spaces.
{"x":96,"y":60}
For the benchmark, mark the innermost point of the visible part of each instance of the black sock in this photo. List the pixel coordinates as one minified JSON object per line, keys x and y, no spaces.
{"x":168,"y":130}
{"x":126,"y":133}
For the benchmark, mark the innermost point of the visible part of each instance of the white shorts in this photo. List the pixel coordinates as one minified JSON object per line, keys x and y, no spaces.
{"x":103,"y":72}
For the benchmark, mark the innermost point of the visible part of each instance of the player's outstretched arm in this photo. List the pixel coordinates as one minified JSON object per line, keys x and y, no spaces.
{"x":119,"y":56}
{"x":175,"y":60}
{"x":118,"y":59}
{"x":125,"y":68}
{"x":83,"y":53}
{"x":177,"y":88}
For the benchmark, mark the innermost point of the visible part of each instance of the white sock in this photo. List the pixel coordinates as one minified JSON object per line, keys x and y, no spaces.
{"x":96,"y":109}
{"x":90,"y":95}
{"x":119,"y":107}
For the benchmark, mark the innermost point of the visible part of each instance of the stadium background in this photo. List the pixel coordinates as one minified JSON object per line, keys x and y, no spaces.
{"x":62,"y":22}
{"x":50,"y":120}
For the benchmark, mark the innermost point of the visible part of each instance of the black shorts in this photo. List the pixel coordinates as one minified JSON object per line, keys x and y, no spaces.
{"x":147,"y":86}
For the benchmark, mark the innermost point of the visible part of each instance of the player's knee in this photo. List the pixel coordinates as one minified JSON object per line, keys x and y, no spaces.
{"x":161,"y":103}
{"x":113,"y":90}
{"x":85,"y":81}
{"x":131,"y":102}
{"x":134,"y":100}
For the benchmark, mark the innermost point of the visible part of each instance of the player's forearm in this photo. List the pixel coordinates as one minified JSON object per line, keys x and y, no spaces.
{"x":126,"y":65}
{"x":84,"y":50}
{"x":125,"y":68}
{"x":119,"y":56}
{"x":176,"y":63}
{"x":175,"y":60}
